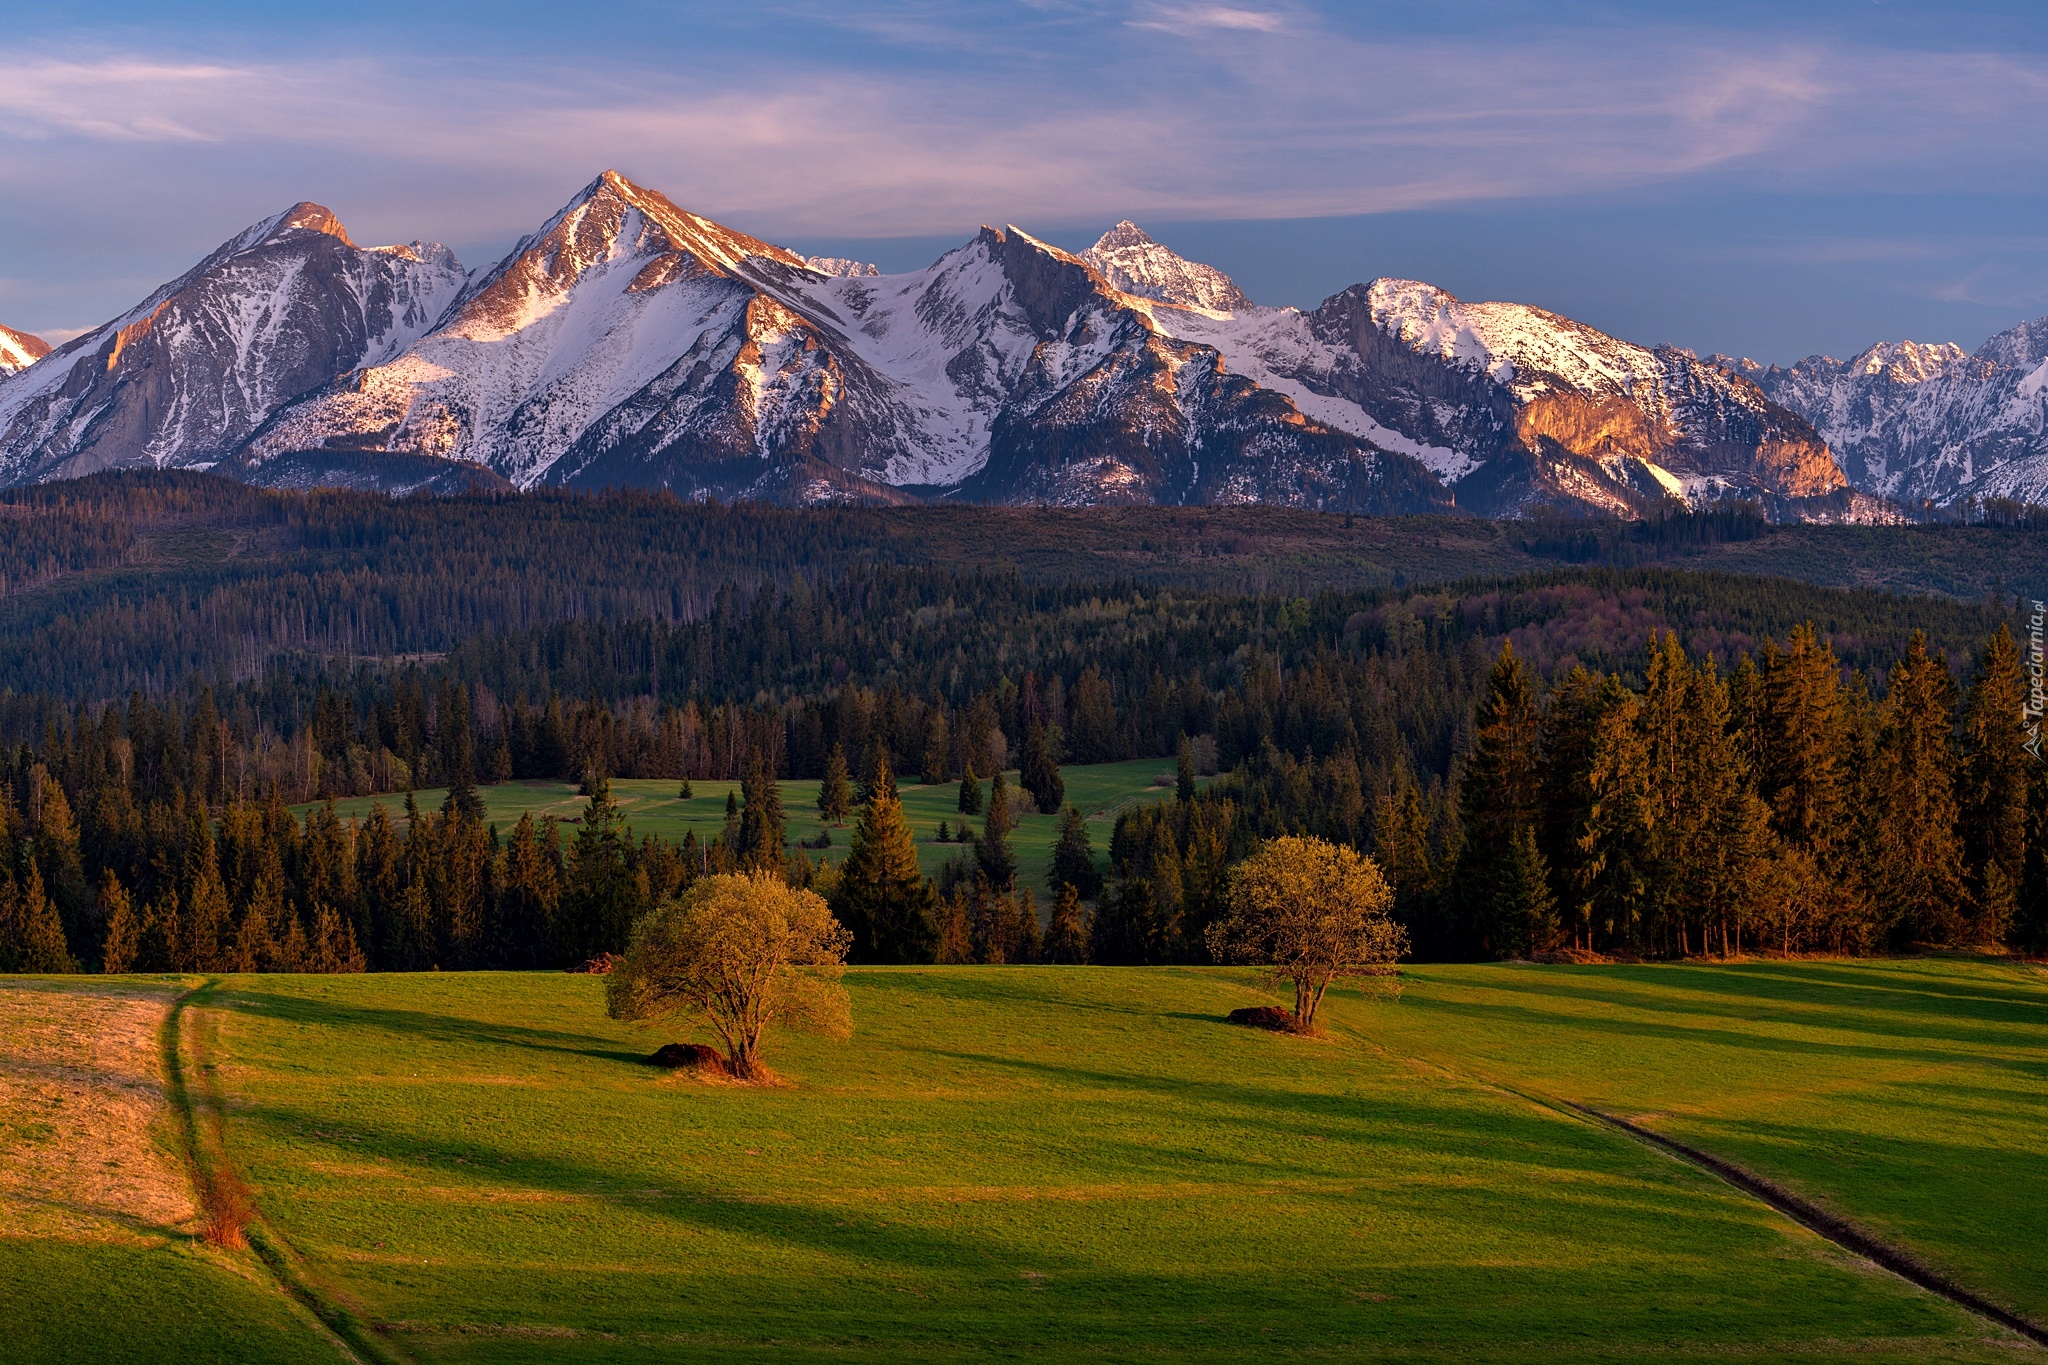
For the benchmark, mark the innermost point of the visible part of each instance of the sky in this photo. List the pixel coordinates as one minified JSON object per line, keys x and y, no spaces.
{"x":1765,"y":179}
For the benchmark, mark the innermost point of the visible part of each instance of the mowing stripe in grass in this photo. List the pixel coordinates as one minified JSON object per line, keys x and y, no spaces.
{"x":232,"y":1219}
{"x":1840,"y":1231}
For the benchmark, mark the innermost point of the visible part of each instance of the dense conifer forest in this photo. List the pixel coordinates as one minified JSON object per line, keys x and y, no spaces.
{"x":1612,"y":756}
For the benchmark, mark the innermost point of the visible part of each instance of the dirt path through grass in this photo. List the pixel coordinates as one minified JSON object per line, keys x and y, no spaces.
{"x":1840,"y":1231}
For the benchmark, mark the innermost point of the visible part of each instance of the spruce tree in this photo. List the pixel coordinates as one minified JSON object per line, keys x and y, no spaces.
{"x":883,"y":897}
{"x":1917,"y":862}
{"x":1997,"y":774}
{"x":970,"y":790}
{"x":1066,"y":934}
{"x":1073,"y":858}
{"x":1040,"y":773}
{"x":1184,"y":770}
{"x":1500,"y":792}
{"x":31,"y":933}
{"x":1611,"y":878}
{"x":1523,"y":910}
{"x":833,"y":797}
{"x":992,"y":851}
{"x":598,"y":894}
{"x":529,"y":896}
{"x":208,"y":918}
{"x":124,"y":927}
{"x":762,"y":840}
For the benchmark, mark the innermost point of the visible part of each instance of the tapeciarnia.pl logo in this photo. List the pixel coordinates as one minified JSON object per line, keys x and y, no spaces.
{"x":2037,"y":680}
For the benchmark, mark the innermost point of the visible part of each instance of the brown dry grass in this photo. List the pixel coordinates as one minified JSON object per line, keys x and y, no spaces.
{"x":86,"y":1133}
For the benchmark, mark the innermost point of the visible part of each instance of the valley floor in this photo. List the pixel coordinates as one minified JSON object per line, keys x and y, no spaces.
{"x":1072,"y":1163}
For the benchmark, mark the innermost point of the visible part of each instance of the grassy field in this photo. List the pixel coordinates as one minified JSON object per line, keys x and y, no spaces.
{"x":1087,"y":1163}
{"x":652,"y":807}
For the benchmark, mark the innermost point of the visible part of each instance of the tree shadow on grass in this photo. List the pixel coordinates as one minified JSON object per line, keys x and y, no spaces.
{"x":416,"y":1025}
{"x":1924,"y":1028}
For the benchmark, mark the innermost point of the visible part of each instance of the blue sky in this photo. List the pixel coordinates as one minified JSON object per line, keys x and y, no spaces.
{"x":1767,"y":179}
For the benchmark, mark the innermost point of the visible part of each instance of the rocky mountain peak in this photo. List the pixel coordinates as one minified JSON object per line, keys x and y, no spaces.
{"x":19,"y":350}
{"x":1129,"y":258}
{"x":306,"y":216}
{"x":1907,"y":362}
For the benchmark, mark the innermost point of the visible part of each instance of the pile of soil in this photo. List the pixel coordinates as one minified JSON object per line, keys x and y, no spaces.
{"x":1265,"y":1017}
{"x":601,"y":965}
{"x":698,"y":1057}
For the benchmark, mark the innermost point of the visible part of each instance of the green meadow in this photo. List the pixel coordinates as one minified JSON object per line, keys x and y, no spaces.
{"x":652,"y":806}
{"x":1088,"y":1163}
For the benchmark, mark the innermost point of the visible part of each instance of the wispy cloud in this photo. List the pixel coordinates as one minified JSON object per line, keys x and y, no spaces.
{"x":1148,"y":108}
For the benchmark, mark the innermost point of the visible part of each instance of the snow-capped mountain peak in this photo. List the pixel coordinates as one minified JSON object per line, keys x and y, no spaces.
{"x":185,"y":376}
{"x":19,"y":350}
{"x":1130,"y":260}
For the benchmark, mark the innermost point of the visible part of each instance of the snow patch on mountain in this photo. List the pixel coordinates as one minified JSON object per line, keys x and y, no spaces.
{"x":840,"y":266}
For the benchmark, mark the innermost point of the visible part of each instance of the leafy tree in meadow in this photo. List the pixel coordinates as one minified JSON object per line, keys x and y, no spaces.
{"x":739,"y":954}
{"x":883,"y":897}
{"x":1311,"y":912}
{"x":1040,"y":773}
{"x":834,"y":796}
{"x":1073,"y":858}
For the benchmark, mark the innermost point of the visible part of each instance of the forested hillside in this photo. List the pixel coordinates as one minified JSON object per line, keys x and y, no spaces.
{"x":1639,"y":759}
{"x":169,"y":582}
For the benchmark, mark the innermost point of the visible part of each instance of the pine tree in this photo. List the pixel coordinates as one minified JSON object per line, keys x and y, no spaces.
{"x":380,"y":890}
{"x":1917,"y":863}
{"x":598,"y":901}
{"x":762,"y":840}
{"x":833,"y":797}
{"x":998,"y":860}
{"x":685,"y":792}
{"x":1523,"y":909}
{"x":1040,"y":773}
{"x":1805,"y":744}
{"x":124,"y":928}
{"x":1613,"y":855}
{"x":1066,"y":935}
{"x":1184,"y":770}
{"x":31,"y":934}
{"x":1565,"y":737}
{"x":531,"y":892}
{"x":955,"y":929}
{"x":208,"y":917}
{"x":882,"y":897}
{"x":1996,"y":776}
{"x":1073,"y":858}
{"x":1500,"y":792}
{"x":970,"y":790}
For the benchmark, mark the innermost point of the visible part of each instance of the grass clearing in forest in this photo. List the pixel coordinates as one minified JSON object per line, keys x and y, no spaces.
{"x":651,"y":806}
{"x":1088,"y":1163}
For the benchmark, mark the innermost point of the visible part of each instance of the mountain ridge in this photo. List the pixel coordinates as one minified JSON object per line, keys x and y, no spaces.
{"x":630,"y":341}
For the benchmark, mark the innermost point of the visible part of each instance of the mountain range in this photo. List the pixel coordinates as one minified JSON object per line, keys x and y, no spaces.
{"x":628,"y":341}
